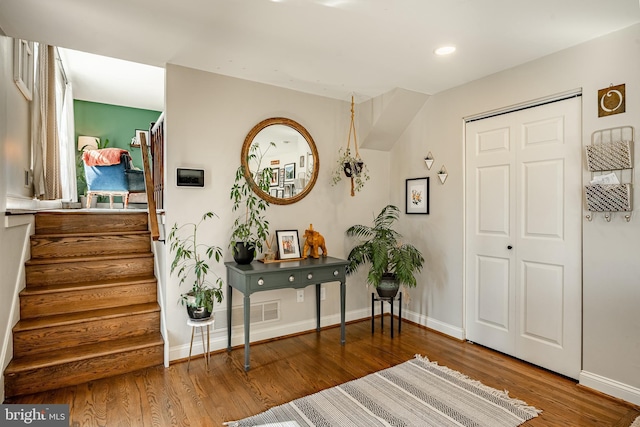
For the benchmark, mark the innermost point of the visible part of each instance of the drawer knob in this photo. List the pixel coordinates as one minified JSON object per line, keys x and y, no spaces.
{"x":335,"y":273}
{"x":292,"y":278}
{"x":310,"y":276}
{"x":260,"y":281}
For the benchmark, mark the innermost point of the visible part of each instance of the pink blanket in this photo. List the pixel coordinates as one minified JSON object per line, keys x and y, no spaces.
{"x":103,"y":157}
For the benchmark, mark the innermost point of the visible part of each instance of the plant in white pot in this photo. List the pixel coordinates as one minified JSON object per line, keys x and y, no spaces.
{"x":250,"y":228}
{"x":191,"y":262}
{"x":391,"y":263}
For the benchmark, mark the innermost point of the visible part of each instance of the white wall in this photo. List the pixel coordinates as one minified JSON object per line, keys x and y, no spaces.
{"x":14,"y":231}
{"x":208,"y":116}
{"x":611,"y":342}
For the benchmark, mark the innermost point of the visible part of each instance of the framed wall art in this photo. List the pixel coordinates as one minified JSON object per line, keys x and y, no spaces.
{"x":275,"y":173}
{"x":289,"y":172}
{"x":288,"y":244}
{"x":417,"y":195}
{"x":135,"y":142}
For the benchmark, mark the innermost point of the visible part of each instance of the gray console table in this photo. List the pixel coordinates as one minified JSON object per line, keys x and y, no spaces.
{"x":257,"y":276}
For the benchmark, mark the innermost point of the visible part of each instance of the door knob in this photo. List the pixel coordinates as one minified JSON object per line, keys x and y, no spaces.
{"x":509,"y":247}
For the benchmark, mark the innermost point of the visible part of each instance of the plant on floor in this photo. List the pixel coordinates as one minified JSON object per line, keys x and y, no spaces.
{"x":250,"y":228}
{"x":192,"y":262}
{"x":391,"y":263}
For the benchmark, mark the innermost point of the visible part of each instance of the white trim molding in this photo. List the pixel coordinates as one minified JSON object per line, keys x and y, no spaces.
{"x":611,"y":387}
{"x":437,"y":325}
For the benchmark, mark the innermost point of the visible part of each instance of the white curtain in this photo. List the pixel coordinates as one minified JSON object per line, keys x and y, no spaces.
{"x":52,"y":130}
{"x":67,"y":146}
{"x":38,"y":130}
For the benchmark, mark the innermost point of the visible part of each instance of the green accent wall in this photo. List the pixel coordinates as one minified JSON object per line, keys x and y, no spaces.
{"x":113,"y":122}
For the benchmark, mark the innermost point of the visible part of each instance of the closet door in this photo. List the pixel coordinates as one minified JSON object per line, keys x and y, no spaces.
{"x":523,"y":235}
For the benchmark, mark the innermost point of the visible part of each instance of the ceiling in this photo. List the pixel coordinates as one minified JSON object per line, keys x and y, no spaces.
{"x":333,"y":48}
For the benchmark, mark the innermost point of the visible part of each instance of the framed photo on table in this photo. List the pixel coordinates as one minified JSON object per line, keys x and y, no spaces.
{"x":417,"y":195}
{"x":288,"y":244}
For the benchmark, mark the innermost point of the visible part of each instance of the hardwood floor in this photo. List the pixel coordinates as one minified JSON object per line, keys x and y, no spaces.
{"x":285,"y":369}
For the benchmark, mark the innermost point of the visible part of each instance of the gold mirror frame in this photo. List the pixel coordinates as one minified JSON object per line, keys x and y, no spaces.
{"x":312,"y":147}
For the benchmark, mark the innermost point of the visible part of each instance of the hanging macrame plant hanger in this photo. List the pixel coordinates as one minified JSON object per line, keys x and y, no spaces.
{"x":354,"y":168}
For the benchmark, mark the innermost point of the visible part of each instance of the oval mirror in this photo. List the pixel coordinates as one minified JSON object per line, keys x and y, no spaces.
{"x":287,"y":148}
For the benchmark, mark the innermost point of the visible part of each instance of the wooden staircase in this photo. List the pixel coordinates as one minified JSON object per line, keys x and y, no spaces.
{"x":89,"y":309}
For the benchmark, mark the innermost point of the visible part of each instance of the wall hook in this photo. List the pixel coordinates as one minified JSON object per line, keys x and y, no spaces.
{"x":607,"y":216}
{"x":589,"y":217}
{"x":627,"y":217}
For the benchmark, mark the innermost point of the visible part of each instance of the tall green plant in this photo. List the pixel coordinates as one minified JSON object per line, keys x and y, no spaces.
{"x":191,"y":261}
{"x":380,"y":247}
{"x":251,"y":226}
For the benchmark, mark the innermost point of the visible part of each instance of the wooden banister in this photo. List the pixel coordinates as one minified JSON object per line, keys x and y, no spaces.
{"x":148,"y":183}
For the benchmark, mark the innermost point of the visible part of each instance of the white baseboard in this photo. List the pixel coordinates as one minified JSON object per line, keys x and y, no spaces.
{"x":436,"y":325}
{"x":218,"y":340}
{"x":611,"y":387}
{"x":28,"y":203}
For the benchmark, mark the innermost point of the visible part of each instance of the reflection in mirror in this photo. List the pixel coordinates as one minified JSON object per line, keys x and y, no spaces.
{"x":285,"y":147}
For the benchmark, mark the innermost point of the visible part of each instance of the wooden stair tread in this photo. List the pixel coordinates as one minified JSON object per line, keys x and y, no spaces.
{"x":80,"y":234}
{"x":68,"y":355}
{"x":84,"y":316}
{"x":48,"y":261}
{"x":95,"y":284}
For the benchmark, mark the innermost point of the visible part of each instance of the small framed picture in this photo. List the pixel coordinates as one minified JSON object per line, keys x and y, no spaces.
{"x":281,"y":177}
{"x":417,"y":195}
{"x":280,"y":193}
{"x":289,"y":172}
{"x":288,"y":244}
{"x":136,"y":141}
{"x":302,"y":161}
{"x":275,"y":172}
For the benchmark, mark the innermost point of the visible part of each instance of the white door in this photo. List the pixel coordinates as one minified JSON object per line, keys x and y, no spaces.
{"x":523,"y":234}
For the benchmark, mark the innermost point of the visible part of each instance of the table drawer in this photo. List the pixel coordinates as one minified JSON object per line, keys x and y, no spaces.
{"x":295,"y":278}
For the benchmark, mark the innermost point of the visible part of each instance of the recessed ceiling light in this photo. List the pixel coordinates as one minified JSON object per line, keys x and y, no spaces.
{"x":445,"y":50}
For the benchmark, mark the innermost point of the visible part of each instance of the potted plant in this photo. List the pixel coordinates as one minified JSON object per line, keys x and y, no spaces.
{"x":191,"y":260}
{"x":353,"y":168}
{"x":250,"y":228}
{"x":391,"y":263}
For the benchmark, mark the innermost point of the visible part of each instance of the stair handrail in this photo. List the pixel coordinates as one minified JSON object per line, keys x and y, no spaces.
{"x":148,"y":183}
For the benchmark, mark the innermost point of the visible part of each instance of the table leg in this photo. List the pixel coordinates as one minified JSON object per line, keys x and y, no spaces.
{"x":373,"y":312}
{"x":208,"y":348}
{"x":343,"y":307}
{"x":247,"y":321}
{"x":318,"y":307}
{"x":391,"y":302}
{"x":204,"y":348}
{"x":381,"y":315}
{"x":400,"y":312}
{"x":229,"y":295}
{"x":193,"y":329}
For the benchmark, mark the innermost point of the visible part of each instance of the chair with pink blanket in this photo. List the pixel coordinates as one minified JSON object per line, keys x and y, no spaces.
{"x":106,"y":171}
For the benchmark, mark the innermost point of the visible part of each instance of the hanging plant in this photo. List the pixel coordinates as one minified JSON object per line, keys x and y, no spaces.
{"x":351,"y":166}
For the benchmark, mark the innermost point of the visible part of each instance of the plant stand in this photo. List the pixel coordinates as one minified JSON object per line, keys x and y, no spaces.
{"x":390,"y":300}
{"x":207,"y":350}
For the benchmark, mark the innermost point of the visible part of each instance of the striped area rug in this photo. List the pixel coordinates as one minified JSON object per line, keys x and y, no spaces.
{"x":415,"y":393}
